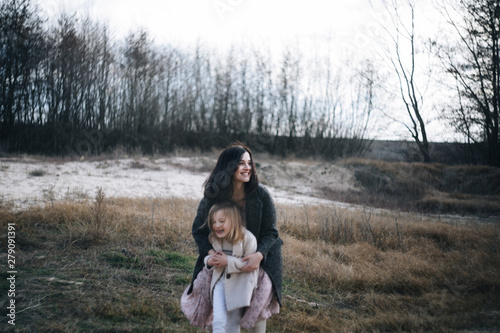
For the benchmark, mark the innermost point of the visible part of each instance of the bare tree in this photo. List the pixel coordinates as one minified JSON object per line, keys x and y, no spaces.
{"x":263,"y":96}
{"x":21,"y":45}
{"x":363,"y":101}
{"x":222,"y":95}
{"x":402,"y":55}
{"x":141,"y":76}
{"x":474,"y":63}
{"x":289,"y":91}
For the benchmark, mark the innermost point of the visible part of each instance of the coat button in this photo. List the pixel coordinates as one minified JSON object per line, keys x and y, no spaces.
{"x":228,"y":276}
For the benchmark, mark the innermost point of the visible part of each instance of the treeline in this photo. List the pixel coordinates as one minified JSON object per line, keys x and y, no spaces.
{"x":71,"y":88}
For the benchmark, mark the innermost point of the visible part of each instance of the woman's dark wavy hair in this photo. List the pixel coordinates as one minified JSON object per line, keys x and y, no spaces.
{"x":218,"y":185}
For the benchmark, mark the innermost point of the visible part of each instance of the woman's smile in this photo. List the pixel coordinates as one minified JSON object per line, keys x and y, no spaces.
{"x":244,"y":171}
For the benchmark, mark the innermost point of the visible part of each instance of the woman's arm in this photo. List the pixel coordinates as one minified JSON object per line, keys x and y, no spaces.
{"x":236,"y":265}
{"x":268,"y":230}
{"x":268,"y":233}
{"x":200,"y":234}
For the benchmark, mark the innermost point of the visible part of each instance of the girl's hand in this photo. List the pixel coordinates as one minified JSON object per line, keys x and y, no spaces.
{"x":253,"y":262}
{"x":218,"y":259}
{"x":221,"y":259}
{"x":210,"y":261}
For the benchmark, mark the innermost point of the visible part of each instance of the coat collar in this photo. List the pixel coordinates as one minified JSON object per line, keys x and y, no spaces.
{"x":237,"y":248}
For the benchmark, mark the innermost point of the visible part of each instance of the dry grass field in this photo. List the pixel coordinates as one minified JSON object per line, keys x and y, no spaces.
{"x":111,"y":264}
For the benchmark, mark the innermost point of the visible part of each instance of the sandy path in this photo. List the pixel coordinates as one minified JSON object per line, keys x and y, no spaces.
{"x":25,"y":181}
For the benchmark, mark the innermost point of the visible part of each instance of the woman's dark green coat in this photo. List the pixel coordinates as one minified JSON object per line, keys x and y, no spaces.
{"x":261,"y":221}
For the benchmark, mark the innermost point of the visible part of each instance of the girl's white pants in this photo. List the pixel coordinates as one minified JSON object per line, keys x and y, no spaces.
{"x":224,"y":321}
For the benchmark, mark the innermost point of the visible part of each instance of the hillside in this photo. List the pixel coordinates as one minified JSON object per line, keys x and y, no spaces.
{"x":104,"y":245}
{"x":425,"y":188}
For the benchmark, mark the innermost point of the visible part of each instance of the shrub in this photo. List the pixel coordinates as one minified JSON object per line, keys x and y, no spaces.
{"x":37,"y":173}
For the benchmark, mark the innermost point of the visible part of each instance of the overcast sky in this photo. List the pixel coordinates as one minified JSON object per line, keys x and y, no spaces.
{"x":271,"y":24}
{"x":224,"y":22}
{"x":221,"y":21}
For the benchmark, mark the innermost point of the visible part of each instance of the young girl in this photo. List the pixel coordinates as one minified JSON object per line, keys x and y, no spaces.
{"x":231,"y":289}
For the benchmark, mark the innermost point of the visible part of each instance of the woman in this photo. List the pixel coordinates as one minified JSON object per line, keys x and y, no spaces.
{"x":234,"y":178}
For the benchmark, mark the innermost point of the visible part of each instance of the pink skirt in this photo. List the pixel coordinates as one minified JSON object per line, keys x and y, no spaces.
{"x":198,"y":309}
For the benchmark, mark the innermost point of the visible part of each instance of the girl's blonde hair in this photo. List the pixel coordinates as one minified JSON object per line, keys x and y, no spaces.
{"x":233,"y":213}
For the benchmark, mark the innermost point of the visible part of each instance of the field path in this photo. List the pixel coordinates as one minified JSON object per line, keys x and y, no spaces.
{"x":26,"y":181}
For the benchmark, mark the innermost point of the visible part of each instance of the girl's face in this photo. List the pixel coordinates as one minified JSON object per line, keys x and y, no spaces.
{"x":221,"y":224}
{"x":244,"y":171}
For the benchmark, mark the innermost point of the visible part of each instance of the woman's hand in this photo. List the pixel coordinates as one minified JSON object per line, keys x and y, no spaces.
{"x":253,"y":262}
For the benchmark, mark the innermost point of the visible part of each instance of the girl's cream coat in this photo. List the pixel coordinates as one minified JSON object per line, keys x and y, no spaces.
{"x":239,"y":286}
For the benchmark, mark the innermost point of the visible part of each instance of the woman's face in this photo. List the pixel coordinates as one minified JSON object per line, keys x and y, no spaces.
{"x":244,"y":171}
